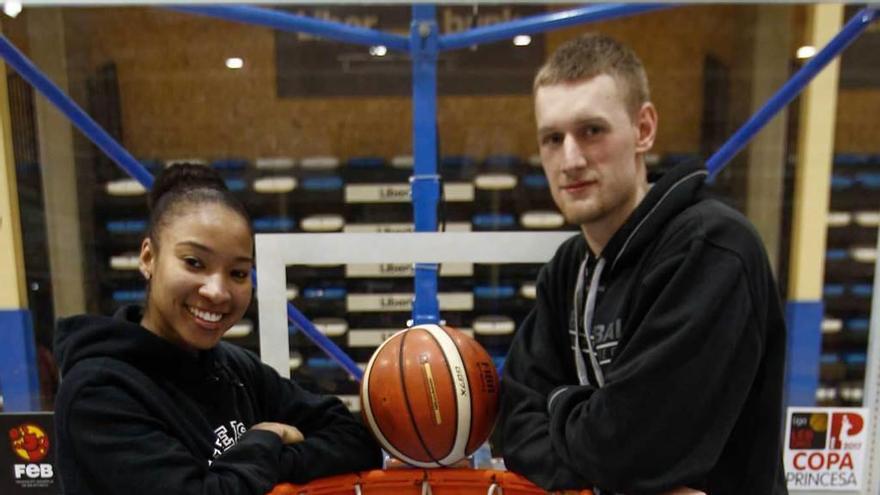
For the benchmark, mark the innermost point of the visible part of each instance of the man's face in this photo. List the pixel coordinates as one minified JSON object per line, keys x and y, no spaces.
{"x":590,"y":148}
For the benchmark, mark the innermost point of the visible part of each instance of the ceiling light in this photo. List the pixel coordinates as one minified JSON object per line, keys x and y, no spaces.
{"x":234,"y":63}
{"x":12,"y":8}
{"x":806,"y":51}
{"x":522,"y":40}
{"x":378,"y":50}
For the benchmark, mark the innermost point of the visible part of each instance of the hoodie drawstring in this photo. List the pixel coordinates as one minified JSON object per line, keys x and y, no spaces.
{"x":589,"y":309}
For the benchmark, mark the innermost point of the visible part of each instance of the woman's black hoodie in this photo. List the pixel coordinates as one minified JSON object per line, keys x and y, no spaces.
{"x":138,"y":415}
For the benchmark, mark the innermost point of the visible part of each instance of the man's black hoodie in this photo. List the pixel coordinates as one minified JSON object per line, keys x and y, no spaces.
{"x":683,"y":364}
{"x":138,"y":415}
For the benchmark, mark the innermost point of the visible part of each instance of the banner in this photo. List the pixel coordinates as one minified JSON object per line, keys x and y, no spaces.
{"x":825,"y":448}
{"x":27,"y":460}
{"x":312,"y":67}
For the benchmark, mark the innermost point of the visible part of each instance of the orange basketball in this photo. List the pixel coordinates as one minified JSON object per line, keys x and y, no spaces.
{"x":430,"y":395}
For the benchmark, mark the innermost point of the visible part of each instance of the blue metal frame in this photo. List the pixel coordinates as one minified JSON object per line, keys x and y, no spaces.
{"x":72,"y":111}
{"x":791,"y":89}
{"x":544,"y":22}
{"x":286,"y":21}
{"x":424,"y":45}
{"x":424,"y":35}
{"x":118,"y":154}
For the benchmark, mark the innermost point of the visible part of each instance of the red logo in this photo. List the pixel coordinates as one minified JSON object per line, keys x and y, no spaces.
{"x":844,"y":426}
{"x":29,"y":442}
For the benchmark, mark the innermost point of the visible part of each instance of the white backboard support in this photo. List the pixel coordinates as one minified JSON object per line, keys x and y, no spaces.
{"x":275,"y":252}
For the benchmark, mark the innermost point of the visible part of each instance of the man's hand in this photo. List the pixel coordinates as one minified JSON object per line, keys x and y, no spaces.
{"x":288,"y":434}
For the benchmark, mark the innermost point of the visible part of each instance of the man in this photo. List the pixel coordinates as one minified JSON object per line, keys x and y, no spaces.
{"x":653,"y":358}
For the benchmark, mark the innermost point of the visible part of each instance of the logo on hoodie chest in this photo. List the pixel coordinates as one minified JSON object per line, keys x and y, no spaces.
{"x":605,"y":338}
{"x":225,"y":436}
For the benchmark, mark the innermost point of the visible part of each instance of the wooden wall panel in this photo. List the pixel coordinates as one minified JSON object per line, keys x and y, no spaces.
{"x":179,"y":100}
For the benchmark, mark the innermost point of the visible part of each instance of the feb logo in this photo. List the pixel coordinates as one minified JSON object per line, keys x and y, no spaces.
{"x":29,"y":442}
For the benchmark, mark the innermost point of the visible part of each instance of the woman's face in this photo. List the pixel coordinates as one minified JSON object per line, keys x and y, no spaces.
{"x":200,"y":282}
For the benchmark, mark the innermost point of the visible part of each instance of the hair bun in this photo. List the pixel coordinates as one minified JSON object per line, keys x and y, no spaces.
{"x":182,"y":177}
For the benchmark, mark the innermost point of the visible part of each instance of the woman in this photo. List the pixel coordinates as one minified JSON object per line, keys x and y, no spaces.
{"x":153,"y":402}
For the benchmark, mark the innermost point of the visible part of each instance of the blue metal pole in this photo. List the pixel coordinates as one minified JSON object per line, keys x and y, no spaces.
{"x":424,"y":35}
{"x":19,"y":380}
{"x":324,"y":343}
{"x":72,"y":111}
{"x":543,"y":22}
{"x":118,"y":154}
{"x":300,"y":322}
{"x":286,"y":21}
{"x":791,"y":89}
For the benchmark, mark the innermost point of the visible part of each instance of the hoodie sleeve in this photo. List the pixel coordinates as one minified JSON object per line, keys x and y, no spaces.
{"x":674,"y":393}
{"x":105,"y":428}
{"x":335,"y":441}
{"x":532,"y":370}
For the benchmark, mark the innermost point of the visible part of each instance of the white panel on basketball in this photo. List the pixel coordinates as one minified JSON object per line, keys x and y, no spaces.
{"x":462,"y":392}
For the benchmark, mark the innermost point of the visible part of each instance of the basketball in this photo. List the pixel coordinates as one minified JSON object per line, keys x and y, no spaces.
{"x":430,"y":395}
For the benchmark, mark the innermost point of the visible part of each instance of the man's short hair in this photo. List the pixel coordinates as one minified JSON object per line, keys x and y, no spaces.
{"x":593,"y":54}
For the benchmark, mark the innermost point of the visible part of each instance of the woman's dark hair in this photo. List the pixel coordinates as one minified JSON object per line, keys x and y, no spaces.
{"x":186,"y":184}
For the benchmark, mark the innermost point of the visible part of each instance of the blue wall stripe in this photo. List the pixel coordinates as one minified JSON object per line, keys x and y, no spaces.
{"x":19,"y":381}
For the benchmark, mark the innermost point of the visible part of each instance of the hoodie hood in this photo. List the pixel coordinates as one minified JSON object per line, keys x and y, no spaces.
{"x":122,"y":337}
{"x":673,"y":192}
